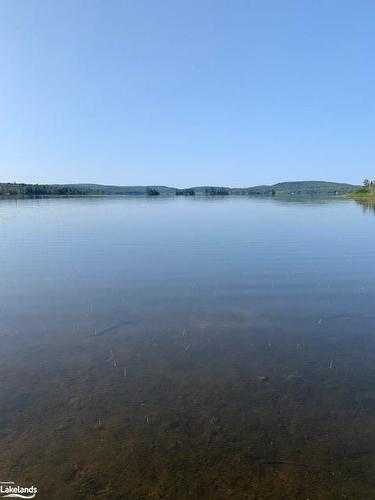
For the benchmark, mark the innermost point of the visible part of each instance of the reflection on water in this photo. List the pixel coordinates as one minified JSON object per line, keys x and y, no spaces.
{"x":367,"y":205}
{"x":195,"y":348}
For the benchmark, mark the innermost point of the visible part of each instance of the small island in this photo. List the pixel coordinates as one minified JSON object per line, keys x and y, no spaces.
{"x":152,"y":192}
{"x":185,"y":192}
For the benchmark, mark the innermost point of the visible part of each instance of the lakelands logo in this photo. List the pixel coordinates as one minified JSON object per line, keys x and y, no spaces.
{"x":10,"y":490}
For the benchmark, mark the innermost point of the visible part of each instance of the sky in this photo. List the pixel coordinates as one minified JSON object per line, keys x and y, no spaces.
{"x":187,"y":92}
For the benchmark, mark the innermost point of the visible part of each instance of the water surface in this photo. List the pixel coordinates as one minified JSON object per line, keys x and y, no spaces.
{"x":188,"y":348}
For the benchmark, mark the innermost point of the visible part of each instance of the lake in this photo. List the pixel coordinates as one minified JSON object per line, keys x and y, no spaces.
{"x":188,"y":348}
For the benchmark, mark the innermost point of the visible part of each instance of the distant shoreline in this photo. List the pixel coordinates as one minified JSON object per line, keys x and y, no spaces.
{"x":294,"y":188}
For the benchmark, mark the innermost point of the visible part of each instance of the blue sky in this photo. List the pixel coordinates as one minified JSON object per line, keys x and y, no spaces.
{"x":187,"y":92}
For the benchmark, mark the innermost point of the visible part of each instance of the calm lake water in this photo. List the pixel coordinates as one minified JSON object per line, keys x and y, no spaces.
{"x":188,"y":348}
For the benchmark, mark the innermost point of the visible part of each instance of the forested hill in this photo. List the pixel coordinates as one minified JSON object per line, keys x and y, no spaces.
{"x":302,"y":188}
{"x":320,"y":188}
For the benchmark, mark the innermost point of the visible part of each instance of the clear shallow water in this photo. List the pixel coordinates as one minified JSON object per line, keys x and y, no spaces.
{"x":188,"y":348}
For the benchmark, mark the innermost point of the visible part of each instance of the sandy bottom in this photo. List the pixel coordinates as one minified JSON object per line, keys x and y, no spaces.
{"x":211,"y":409}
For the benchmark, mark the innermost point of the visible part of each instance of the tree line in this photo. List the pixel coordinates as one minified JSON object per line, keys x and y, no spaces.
{"x":370,"y":184}
{"x":21,"y":189}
